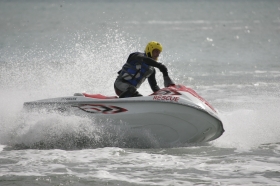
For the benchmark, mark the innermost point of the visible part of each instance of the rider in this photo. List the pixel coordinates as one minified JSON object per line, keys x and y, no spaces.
{"x":137,"y":68}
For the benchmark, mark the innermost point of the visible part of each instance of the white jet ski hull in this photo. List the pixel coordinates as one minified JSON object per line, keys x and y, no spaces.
{"x":173,"y":115}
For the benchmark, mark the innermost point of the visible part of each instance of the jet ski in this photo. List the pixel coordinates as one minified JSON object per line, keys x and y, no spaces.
{"x":174,"y":114}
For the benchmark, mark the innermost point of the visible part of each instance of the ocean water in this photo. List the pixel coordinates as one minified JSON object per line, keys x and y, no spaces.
{"x":226,"y":50}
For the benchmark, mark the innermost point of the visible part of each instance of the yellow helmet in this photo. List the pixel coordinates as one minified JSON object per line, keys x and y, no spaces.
{"x":151,"y":46}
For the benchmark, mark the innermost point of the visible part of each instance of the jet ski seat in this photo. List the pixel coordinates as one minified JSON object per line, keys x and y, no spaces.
{"x":99,"y":96}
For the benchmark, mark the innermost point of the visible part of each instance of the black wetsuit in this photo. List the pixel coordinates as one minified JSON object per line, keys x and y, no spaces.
{"x":137,"y":68}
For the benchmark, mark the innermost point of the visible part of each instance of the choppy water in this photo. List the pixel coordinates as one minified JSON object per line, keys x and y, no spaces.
{"x":228,"y":51}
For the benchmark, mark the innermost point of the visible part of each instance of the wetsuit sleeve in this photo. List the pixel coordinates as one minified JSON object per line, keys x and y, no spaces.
{"x":151,"y":62}
{"x":153,"y":82}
